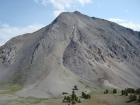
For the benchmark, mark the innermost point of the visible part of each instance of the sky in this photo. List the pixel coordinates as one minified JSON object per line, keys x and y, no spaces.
{"x":18,"y":17}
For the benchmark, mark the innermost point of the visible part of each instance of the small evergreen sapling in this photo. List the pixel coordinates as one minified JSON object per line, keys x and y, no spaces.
{"x":75,"y":87}
{"x":114,"y":91}
{"x":106,"y":91}
{"x":79,"y":101}
{"x":122,"y":92}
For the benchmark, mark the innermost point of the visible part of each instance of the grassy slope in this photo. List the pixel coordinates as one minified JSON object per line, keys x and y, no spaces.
{"x":96,"y":99}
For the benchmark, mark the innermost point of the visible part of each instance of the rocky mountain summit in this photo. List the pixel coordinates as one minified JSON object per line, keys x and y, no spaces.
{"x":74,"y":49}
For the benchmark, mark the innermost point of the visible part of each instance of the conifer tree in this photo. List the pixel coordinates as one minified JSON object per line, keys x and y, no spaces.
{"x":73,"y":92}
{"x":106,"y":91}
{"x":134,"y":97}
{"x":114,"y":91}
{"x":126,"y":93}
{"x":76,"y":99}
{"x":79,"y":101}
{"x":122,"y":92}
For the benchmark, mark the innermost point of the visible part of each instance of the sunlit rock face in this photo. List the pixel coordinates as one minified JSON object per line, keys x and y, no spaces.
{"x":73,"y":46}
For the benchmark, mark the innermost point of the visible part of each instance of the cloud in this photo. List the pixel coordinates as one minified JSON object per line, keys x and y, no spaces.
{"x":115,"y":20}
{"x":7,"y":32}
{"x":131,"y":25}
{"x":63,"y":5}
{"x":83,"y":2}
{"x":68,"y":5}
{"x":57,"y":12}
{"x":45,"y":2}
{"x":59,"y":6}
{"x":5,"y":25}
{"x":125,"y":23}
{"x":36,"y":1}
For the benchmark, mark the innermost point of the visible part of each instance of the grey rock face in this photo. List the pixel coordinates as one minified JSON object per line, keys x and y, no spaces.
{"x":91,"y":48}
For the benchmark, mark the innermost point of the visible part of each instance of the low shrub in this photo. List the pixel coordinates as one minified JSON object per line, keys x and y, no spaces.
{"x":64,"y":93}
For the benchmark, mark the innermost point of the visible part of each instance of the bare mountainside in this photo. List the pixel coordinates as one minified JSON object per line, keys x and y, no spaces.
{"x":73,"y":50}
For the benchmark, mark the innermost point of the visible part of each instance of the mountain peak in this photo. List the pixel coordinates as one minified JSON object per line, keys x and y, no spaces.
{"x":74,"y":48}
{"x":77,"y":12}
{"x":69,"y":13}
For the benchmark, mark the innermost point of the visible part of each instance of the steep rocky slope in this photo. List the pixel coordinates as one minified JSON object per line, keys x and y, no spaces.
{"x":73,"y":48}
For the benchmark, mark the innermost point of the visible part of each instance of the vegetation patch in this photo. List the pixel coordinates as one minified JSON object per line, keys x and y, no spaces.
{"x":75,"y":87}
{"x":134,"y":95}
{"x":73,"y":99}
{"x":31,"y":100}
{"x":64,"y":93}
{"x":13,"y":89}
